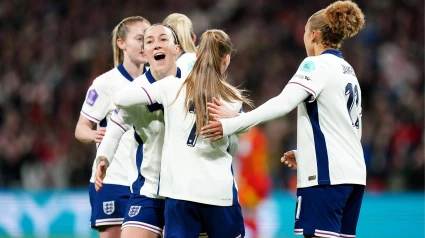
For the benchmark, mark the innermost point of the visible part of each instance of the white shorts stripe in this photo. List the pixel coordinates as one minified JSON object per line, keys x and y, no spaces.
{"x":109,"y":221}
{"x":298,"y":231}
{"x":322,"y":233}
{"x":347,"y":236}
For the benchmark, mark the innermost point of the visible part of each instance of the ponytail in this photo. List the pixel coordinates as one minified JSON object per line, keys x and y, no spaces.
{"x":206,"y":80}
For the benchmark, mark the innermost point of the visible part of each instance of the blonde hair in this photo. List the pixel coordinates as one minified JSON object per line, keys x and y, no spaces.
{"x":184,"y":29}
{"x":339,"y":21}
{"x":206,"y":81}
{"x":120,"y":32}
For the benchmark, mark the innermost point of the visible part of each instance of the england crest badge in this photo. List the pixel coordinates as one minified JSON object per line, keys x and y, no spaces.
{"x":134,"y":210}
{"x":109,"y":207}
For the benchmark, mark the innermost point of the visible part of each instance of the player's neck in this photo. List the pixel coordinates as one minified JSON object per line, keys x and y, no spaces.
{"x":319,"y":49}
{"x":160,"y":75}
{"x":133,"y":69}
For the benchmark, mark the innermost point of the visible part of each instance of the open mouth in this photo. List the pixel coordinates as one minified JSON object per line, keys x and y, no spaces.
{"x":159,"y":56}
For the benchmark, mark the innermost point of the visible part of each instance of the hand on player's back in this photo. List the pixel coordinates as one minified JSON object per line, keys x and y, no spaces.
{"x":218,"y":110}
{"x":212,"y":131}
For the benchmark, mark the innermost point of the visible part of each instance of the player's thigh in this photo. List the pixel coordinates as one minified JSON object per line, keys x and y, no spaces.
{"x":145,"y":214}
{"x":319,"y":209}
{"x":108,"y":205}
{"x":182,"y":219}
{"x":352,"y":212}
{"x":223,"y":222}
{"x":137,"y":232}
{"x":109,"y":231}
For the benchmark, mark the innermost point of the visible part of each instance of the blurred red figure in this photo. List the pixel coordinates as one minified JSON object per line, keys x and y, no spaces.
{"x":252,"y":174}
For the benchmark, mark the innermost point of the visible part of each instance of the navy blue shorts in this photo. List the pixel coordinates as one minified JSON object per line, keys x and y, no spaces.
{"x":187,"y":219}
{"x":108,"y":206}
{"x":146,"y":213}
{"x":328,"y":210}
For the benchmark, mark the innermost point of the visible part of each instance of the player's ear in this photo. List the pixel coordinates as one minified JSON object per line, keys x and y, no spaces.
{"x":227,"y":60}
{"x":177,"y":49}
{"x":121,"y":44}
{"x":314,"y":36}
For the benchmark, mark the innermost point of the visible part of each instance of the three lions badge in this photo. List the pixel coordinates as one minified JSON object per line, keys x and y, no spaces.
{"x":109,"y":207}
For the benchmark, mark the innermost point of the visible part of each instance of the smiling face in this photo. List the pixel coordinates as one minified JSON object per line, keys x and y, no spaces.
{"x":160,"y":49}
{"x":132,"y":44}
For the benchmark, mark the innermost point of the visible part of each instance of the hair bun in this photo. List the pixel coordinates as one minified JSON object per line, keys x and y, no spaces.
{"x":344,"y":17}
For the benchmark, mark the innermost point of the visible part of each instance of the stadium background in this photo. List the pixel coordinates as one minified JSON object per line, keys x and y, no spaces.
{"x":51,"y":51}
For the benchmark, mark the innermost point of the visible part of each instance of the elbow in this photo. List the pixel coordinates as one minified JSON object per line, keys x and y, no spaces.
{"x":80,"y":138}
{"x":79,"y":135}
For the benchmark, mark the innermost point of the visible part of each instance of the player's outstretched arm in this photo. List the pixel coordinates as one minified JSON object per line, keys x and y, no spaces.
{"x":110,"y":143}
{"x":289,"y":159}
{"x":132,"y":96}
{"x":286,"y":101}
{"x":84,"y":131}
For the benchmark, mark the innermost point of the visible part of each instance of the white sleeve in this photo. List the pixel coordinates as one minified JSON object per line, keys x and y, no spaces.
{"x":115,"y":130}
{"x":286,"y":101}
{"x":246,"y":130}
{"x":310,"y":78}
{"x":96,"y":105}
{"x":145,"y":95}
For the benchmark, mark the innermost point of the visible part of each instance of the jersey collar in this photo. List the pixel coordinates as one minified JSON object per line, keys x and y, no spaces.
{"x":151,"y":79}
{"x":124,"y":72}
{"x":181,"y":54}
{"x":337,"y":53}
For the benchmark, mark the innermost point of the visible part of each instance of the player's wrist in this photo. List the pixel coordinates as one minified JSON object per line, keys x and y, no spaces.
{"x":100,"y":159}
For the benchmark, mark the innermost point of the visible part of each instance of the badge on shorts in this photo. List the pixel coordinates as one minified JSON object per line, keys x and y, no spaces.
{"x":92,"y":97}
{"x":134,"y":210}
{"x":109,"y":207}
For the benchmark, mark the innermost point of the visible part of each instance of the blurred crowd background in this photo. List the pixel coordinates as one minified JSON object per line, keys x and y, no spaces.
{"x":51,"y":51}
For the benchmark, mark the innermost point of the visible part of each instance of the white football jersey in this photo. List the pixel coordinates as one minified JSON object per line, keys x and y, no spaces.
{"x":98,"y":108}
{"x":148,"y":122}
{"x":329,"y":151}
{"x":185,"y":62}
{"x":192,"y":168}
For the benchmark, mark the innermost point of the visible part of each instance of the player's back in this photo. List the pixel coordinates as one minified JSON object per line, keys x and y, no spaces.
{"x":192,"y":168}
{"x":329,"y":128}
{"x":98,"y":107}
